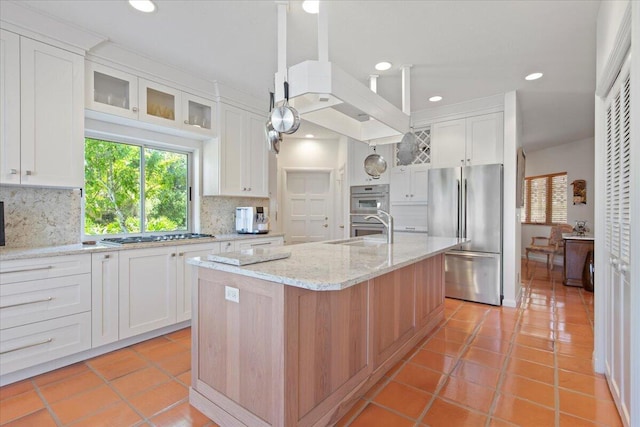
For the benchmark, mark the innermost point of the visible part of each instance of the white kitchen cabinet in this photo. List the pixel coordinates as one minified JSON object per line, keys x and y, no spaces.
{"x":43,"y":144}
{"x":104,"y":298}
{"x":476,"y":140}
{"x":9,"y":107}
{"x":187,"y":276}
{"x":409,"y":184}
{"x":147,"y":289}
{"x":228,"y":246}
{"x":411,"y":218}
{"x":45,"y":306}
{"x":358,"y":152}
{"x":263,"y":242}
{"x":237,"y":163}
{"x":118,"y":93}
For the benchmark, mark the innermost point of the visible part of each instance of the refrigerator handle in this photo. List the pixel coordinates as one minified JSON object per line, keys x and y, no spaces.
{"x":458,"y":234}
{"x":465,"y":209}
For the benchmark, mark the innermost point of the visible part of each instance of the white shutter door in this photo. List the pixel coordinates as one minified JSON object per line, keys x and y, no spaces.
{"x":617,"y":240}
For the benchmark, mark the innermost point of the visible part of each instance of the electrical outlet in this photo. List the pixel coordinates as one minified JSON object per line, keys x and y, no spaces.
{"x":232,"y":294}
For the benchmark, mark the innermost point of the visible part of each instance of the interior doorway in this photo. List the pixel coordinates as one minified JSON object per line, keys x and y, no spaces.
{"x":307,"y":205}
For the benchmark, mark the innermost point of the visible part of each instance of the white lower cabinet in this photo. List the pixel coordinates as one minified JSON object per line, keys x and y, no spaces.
{"x":45,"y":310}
{"x":409,"y":184}
{"x":29,"y":345}
{"x":147,"y":285}
{"x":104,"y":298}
{"x":260,"y":243}
{"x":188,"y":277}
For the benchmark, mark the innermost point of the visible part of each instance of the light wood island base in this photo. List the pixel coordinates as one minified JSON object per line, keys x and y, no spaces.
{"x":288,"y":356}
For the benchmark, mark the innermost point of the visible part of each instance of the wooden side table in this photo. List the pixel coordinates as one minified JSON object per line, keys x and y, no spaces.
{"x":575,"y":255}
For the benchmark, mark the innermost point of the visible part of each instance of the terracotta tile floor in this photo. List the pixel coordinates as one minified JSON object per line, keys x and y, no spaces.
{"x":483,"y":366}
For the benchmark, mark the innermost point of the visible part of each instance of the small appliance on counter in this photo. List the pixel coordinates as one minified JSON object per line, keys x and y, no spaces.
{"x":252,"y":220}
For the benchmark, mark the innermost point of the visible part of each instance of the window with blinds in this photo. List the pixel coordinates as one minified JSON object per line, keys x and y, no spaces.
{"x":545,"y":199}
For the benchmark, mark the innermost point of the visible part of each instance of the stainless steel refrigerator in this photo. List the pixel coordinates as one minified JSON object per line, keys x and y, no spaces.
{"x":467,"y":202}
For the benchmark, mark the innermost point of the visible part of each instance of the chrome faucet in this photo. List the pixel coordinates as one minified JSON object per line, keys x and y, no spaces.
{"x":388,"y":224}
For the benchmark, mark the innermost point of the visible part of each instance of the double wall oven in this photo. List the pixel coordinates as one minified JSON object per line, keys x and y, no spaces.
{"x":366,"y":200}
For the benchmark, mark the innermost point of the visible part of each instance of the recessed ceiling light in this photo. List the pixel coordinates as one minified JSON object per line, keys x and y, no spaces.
{"x":435,"y":98}
{"x":143,"y":5}
{"x":533,"y":76}
{"x":309,"y":135}
{"x":311,"y":6}
{"x":383,"y":66}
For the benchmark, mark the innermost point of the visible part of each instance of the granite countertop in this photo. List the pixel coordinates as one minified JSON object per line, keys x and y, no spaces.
{"x":7,"y":254}
{"x":334,"y":265}
{"x":572,"y":236}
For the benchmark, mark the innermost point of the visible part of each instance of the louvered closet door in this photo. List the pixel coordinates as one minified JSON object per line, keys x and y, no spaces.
{"x":617,"y":239}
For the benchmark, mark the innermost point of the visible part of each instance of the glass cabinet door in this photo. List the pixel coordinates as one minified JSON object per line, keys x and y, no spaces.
{"x":159,"y":103}
{"x":198,"y":114}
{"x":111,"y":91}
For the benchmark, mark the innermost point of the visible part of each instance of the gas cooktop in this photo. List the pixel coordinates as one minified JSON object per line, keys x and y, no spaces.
{"x":154,"y":238}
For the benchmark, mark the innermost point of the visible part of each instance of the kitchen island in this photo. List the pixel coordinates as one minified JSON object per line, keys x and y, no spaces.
{"x":297,"y":341}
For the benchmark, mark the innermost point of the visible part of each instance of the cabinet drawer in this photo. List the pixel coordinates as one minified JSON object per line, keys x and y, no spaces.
{"x":29,"y":345}
{"x":259,"y":243}
{"x":36,"y":300}
{"x":42,"y":268}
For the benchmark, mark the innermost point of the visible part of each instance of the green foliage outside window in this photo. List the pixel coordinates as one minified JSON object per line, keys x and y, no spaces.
{"x":115,"y":196}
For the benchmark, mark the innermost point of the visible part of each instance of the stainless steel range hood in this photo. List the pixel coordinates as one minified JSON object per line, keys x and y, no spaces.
{"x":327,"y":96}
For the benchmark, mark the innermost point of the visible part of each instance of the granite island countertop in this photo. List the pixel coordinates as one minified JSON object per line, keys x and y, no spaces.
{"x":336,"y":265}
{"x":7,"y":254}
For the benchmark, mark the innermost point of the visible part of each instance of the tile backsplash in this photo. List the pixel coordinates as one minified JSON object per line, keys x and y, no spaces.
{"x":217,"y":214}
{"x":36,"y":217}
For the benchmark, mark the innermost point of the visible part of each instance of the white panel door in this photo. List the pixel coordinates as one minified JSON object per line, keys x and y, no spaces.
{"x":307,"y":200}
{"x":448,"y":144}
{"x":147,"y":284}
{"x":187,"y":275}
{"x":9,"y":108}
{"x":485,"y":136}
{"x":52,"y":115}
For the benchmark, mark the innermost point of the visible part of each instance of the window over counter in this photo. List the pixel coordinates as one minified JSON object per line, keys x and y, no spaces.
{"x":545,"y":199}
{"x":135,"y":188}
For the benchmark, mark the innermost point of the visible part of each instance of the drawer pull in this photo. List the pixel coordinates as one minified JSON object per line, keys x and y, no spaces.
{"x":260,"y":244}
{"x":27,"y":346}
{"x":22,"y":270}
{"x":26,"y":303}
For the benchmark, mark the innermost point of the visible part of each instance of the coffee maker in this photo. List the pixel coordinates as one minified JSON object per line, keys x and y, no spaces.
{"x":252,"y":220}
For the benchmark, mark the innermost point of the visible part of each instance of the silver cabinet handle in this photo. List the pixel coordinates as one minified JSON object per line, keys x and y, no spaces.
{"x":28,"y":173}
{"x":173,"y":255}
{"x":26,"y":303}
{"x":249,"y":189}
{"x":181,"y":254}
{"x":134,"y":109}
{"x":409,"y":228}
{"x":623,"y":267}
{"x":107,"y":256}
{"x":27,"y":346}
{"x":260,"y":244}
{"x":14,"y":171}
{"x":186,"y":122}
{"x":22,"y":270}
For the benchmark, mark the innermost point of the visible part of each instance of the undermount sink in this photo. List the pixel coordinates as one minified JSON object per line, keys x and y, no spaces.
{"x":358,"y":241}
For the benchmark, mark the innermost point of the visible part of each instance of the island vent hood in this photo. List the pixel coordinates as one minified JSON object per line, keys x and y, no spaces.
{"x":326,"y":95}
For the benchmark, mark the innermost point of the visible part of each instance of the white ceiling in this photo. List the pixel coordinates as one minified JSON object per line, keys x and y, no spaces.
{"x":460,"y":50}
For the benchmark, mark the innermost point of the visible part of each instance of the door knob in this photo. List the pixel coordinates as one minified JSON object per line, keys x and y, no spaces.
{"x":325,"y":225}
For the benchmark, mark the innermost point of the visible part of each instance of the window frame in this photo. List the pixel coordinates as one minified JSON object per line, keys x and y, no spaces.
{"x":526,"y":210}
{"x":157,"y":144}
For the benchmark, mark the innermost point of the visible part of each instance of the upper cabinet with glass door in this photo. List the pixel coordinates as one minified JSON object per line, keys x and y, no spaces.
{"x":122,"y":94}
